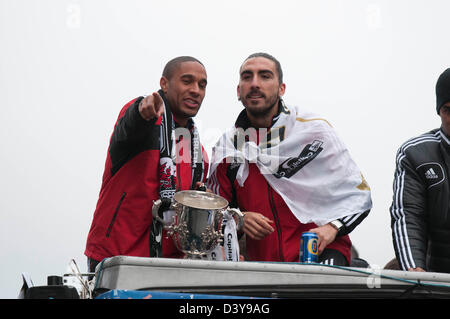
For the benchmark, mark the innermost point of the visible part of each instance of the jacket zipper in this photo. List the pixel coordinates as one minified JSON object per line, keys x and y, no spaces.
{"x":115,"y":214}
{"x":178,"y":184}
{"x":277,"y":222}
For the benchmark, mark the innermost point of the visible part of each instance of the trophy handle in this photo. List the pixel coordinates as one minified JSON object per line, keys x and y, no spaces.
{"x":238,"y":214}
{"x":159,"y":207}
{"x":155,"y":209}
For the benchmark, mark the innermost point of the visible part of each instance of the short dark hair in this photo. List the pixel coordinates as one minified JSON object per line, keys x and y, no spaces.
{"x":173,"y":64}
{"x":270,"y":57}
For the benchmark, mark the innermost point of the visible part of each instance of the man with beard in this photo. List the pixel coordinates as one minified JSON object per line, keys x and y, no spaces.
{"x":154,"y":151}
{"x":288,"y":172}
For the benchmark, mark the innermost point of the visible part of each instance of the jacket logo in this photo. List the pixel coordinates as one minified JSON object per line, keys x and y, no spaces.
{"x":432,"y":173}
{"x":292,"y":165}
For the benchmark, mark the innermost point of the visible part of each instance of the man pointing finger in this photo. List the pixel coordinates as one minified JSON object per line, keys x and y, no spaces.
{"x":144,"y":164}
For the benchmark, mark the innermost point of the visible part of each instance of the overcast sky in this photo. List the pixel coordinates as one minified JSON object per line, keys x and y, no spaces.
{"x":68,"y":67}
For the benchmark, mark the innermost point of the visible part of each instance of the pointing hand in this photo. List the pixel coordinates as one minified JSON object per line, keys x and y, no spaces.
{"x":151,"y":107}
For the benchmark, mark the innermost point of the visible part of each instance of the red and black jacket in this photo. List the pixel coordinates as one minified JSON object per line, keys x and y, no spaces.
{"x":122,"y":218}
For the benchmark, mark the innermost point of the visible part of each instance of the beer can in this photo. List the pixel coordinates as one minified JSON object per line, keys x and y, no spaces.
{"x":309,"y":248}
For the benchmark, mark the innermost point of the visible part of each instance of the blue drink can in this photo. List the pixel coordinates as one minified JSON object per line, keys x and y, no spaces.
{"x":309,"y":248}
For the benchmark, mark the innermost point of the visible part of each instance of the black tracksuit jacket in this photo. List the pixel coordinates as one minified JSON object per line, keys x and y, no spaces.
{"x":420,"y":210}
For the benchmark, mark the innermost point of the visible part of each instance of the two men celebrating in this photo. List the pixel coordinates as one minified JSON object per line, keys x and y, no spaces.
{"x":284,"y":168}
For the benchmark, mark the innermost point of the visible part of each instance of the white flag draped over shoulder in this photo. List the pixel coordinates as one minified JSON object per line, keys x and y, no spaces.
{"x":305,"y":161}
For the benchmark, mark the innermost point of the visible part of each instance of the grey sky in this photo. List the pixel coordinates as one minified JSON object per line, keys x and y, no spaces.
{"x":68,"y":67}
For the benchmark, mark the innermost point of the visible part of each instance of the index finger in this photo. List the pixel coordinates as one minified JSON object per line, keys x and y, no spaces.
{"x":158,"y":104}
{"x":158,"y":98}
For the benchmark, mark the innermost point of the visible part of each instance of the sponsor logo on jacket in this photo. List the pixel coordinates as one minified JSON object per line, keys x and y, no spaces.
{"x":292,"y":165}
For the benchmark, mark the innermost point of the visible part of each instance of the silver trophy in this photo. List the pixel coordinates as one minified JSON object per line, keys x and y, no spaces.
{"x":194,"y":221}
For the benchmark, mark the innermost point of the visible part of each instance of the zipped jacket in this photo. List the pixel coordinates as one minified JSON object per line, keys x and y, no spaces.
{"x":122,"y":218}
{"x":420,"y":210}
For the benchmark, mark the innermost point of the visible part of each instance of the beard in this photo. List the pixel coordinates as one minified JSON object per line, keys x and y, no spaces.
{"x":261,"y":110}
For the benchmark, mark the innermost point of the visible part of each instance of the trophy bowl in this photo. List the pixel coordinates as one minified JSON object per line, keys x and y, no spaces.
{"x":196,"y":225}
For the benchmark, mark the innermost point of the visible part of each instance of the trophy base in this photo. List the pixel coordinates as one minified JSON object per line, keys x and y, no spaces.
{"x":199,"y":256}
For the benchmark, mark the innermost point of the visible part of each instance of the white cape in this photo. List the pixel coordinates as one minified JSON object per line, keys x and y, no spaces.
{"x":305,"y":161}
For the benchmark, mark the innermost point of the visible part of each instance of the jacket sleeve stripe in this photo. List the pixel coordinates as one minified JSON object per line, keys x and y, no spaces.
{"x":401,"y":242}
{"x":398,"y":216}
{"x":350,"y":222}
{"x":354,"y":220}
